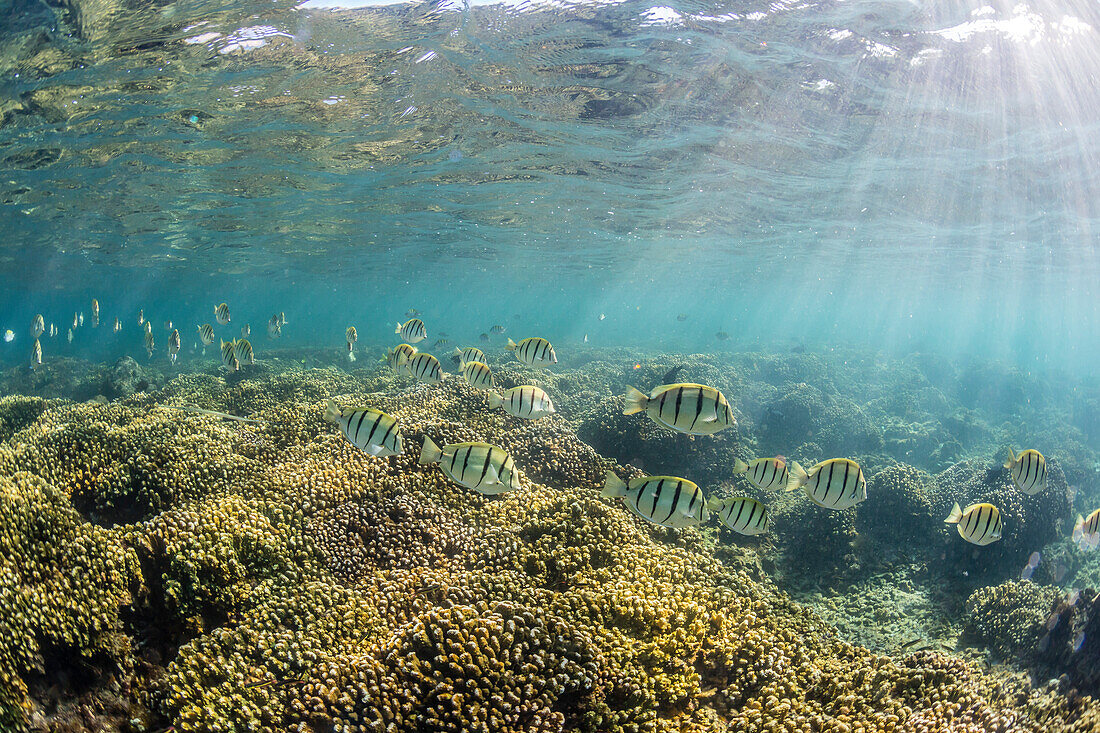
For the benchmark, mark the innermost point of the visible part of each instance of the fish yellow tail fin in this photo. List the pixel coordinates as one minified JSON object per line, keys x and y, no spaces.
{"x":457,"y":352}
{"x":511,"y":345}
{"x":717,"y":505}
{"x":1011,"y":459}
{"x":430,"y":453}
{"x":798,"y":478}
{"x":351,"y":356}
{"x":494,"y":400}
{"x":955,"y":515}
{"x":635,"y":401}
{"x":613,"y":487}
{"x":1079,"y":528}
{"x":740,"y":466}
{"x":398,"y":329}
{"x":331,"y":411}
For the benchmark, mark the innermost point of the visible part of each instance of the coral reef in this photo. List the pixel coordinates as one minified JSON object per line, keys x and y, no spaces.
{"x":270,"y":576}
{"x":1011,"y":618}
{"x":1030,"y":522}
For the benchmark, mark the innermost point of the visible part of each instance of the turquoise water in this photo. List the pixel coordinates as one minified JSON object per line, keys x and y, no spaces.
{"x":883,"y":174}
{"x":871,"y":224}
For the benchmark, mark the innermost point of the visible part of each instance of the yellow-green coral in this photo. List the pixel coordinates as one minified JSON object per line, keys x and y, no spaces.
{"x":303,"y":585}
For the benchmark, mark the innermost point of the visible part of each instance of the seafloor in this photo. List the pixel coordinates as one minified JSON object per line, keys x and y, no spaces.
{"x":166,"y":570}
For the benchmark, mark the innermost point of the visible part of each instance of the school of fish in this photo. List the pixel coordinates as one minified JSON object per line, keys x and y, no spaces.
{"x":690,"y":409}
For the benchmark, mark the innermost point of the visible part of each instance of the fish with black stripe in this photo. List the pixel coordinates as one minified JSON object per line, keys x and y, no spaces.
{"x":229,"y":356}
{"x":412,"y":331}
{"x":372,"y":431}
{"x":837,"y":483}
{"x":274,"y":326}
{"x":978,"y":524}
{"x":36,"y":355}
{"x":425,"y":368}
{"x":351,"y":336}
{"x":665,"y":500}
{"x":38,"y":326}
{"x":221,"y":313}
{"x":533,"y":351}
{"x":173,"y":345}
{"x":150,"y":345}
{"x":694,"y":409}
{"x":478,"y":375}
{"x":526,"y":401}
{"x":1086,"y":530}
{"x":1028,"y":471}
{"x":765,"y":473}
{"x":470,"y":353}
{"x":95,"y":313}
{"x":242,"y":349}
{"x":399,"y":357}
{"x":742,"y":514}
{"x":484,"y":468}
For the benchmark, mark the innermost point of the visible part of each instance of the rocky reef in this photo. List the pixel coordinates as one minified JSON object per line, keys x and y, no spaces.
{"x":167,"y":568}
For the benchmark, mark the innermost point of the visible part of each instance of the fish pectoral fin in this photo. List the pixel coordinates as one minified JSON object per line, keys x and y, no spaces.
{"x":375,"y":450}
{"x":492,"y":478}
{"x":709,"y":418}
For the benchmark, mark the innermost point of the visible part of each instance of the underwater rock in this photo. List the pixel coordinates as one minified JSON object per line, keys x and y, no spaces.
{"x":803,"y":413}
{"x":124,"y":379}
{"x":897,"y":515}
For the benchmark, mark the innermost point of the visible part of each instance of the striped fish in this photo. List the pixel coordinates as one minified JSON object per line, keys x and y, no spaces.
{"x":150,"y":346}
{"x":426,"y":368}
{"x":524,"y":401}
{"x":764,"y":473}
{"x":470,"y":353}
{"x":664,"y":500}
{"x":978,"y":524}
{"x":534,"y":351}
{"x":118,"y":325}
{"x":173,"y":345}
{"x":837,"y":483}
{"x":246,"y":331}
{"x":242,"y":349}
{"x":742,"y":514}
{"x":478,"y":374}
{"x":221,"y":313}
{"x":478,"y":466}
{"x":351,"y":336}
{"x":399,"y":358}
{"x":370,"y":430}
{"x":36,"y":355}
{"x":412,"y":330}
{"x":206,"y":333}
{"x":229,"y":354}
{"x":95,"y":313}
{"x":1028,"y":470}
{"x":38,"y":326}
{"x":694,"y":409}
{"x":274,"y":327}
{"x":1086,"y":531}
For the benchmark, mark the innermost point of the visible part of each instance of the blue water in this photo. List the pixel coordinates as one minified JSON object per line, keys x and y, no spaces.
{"x":889,"y":175}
